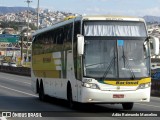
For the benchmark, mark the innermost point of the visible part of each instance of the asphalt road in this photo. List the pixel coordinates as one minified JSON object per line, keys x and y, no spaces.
{"x":16,"y":96}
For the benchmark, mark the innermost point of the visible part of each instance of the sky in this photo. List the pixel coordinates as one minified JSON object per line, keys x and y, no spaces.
{"x":91,"y":7}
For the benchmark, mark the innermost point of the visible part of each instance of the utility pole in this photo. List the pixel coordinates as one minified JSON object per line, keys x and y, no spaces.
{"x":38,"y":15}
{"x":28,"y":2}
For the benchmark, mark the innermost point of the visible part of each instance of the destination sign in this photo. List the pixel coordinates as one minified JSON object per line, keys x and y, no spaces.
{"x":127,"y":82}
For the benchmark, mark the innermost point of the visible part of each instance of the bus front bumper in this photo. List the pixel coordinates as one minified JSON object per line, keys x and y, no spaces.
{"x":97,"y":96}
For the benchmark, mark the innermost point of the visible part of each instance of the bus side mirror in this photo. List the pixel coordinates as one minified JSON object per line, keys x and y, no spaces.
{"x":80,"y":44}
{"x":155,"y":45}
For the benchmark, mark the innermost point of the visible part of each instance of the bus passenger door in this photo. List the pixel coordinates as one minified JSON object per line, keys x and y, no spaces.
{"x":71,"y":74}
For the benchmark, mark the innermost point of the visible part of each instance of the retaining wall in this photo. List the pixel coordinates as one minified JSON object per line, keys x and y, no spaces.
{"x":16,"y":70}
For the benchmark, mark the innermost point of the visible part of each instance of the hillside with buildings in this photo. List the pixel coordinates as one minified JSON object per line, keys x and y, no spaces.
{"x":16,"y":23}
{"x":46,"y":17}
{"x":14,"y":20}
{"x":6,"y":10}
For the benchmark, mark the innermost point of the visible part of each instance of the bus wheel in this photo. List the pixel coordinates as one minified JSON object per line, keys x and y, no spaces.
{"x":41,"y":92}
{"x":127,"y":106}
{"x":69,"y":97}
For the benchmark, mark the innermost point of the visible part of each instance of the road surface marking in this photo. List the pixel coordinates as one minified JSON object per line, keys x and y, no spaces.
{"x":3,"y":118}
{"x":14,"y":75}
{"x":15,"y":80}
{"x":5,"y":73}
{"x":19,"y":91}
{"x":148,"y":105}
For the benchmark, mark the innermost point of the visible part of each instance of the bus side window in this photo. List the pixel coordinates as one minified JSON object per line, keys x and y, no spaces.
{"x":68,"y":37}
{"x":40,"y":44}
{"x":50,"y":37}
{"x":34,"y":46}
{"x":60,"y":37}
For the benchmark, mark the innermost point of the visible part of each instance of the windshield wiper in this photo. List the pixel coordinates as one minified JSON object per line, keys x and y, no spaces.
{"x":108,"y":68}
{"x":95,"y":64}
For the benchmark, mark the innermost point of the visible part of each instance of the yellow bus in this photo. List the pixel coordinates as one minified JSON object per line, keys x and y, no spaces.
{"x":94,"y":59}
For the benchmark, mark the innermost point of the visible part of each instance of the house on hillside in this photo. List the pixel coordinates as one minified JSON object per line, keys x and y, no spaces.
{"x":9,"y":31}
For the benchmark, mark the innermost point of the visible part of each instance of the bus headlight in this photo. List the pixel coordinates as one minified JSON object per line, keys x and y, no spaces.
{"x":90,"y":85}
{"x":144,"y":85}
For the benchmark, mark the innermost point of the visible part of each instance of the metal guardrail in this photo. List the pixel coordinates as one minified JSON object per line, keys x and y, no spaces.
{"x":155,"y":86}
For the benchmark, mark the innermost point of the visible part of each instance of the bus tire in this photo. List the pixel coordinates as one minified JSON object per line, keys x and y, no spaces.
{"x":69,"y":96}
{"x":127,"y":106}
{"x":42,"y":96}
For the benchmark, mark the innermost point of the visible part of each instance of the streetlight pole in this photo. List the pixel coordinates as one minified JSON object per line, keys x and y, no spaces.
{"x":28,"y":2}
{"x":38,"y":15}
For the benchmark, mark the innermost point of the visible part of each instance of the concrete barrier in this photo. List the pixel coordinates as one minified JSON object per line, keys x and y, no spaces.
{"x":16,"y":70}
{"x":155,"y":88}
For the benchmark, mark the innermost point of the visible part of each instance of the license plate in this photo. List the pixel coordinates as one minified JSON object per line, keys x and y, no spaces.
{"x":118,"y":95}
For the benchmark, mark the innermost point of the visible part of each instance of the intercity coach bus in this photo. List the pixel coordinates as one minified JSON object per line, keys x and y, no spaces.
{"x":94,"y":59}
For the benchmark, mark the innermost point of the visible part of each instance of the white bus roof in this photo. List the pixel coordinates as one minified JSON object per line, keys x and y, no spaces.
{"x":110,"y":17}
{"x":94,"y":17}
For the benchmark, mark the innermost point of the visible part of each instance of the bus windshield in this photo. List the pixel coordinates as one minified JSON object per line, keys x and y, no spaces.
{"x":116,"y":57}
